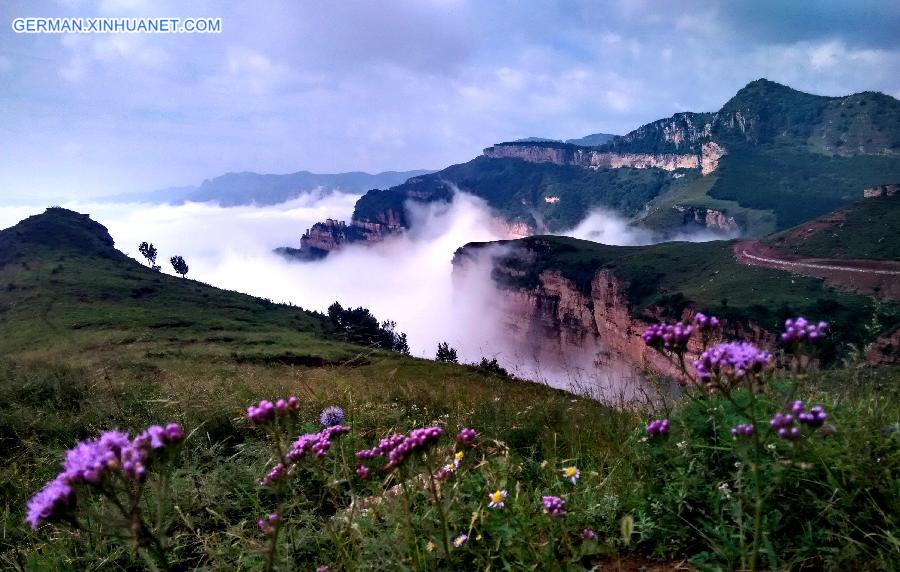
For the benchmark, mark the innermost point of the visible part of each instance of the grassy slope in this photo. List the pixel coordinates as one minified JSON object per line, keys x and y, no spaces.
{"x":90,"y":339}
{"x":81,"y":353}
{"x":868,"y":228}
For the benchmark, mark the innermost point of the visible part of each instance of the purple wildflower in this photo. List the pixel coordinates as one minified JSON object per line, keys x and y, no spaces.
{"x":815,"y":417}
{"x":90,"y":461}
{"x":732,"y":360}
{"x":262,"y":413}
{"x":267,"y":525}
{"x":742,"y":430}
{"x":362,"y":472}
{"x":316,"y":443}
{"x":554,"y":506}
{"x":332,"y":415}
{"x":705,"y":323}
{"x":658,"y":427}
{"x":800,"y":330}
{"x":277,"y":472}
{"x":50,"y":502}
{"x":672,"y":337}
{"x":588,"y":534}
{"x":466,"y":436}
{"x":460,"y":540}
{"x":783,"y":424}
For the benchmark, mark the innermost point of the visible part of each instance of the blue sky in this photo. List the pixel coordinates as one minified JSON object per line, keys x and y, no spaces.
{"x":362,"y":85}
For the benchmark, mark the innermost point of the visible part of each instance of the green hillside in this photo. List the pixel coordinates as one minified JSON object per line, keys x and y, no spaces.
{"x":90,"y":340}
{"x":671,"y":276}
{"x":517,"y":190}
{"x":868,"y":228}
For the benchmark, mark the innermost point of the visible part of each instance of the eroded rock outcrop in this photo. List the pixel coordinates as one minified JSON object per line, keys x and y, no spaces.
{"x":708,"y":218}
{"x":881,"y":191}
{"x":707,"y":160}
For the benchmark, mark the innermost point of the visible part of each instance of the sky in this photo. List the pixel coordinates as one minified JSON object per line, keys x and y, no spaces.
{"x":391,"y":85}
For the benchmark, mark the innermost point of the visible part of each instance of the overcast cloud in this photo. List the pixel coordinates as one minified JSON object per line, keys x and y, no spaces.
{"x":362,"y":85}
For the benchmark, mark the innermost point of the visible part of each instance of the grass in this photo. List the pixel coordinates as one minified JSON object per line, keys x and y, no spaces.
{"x":81,"y":354}
{"x":865,"y":229}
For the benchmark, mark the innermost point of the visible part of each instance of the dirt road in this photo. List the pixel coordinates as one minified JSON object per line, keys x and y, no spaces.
{"x":879,"y":277}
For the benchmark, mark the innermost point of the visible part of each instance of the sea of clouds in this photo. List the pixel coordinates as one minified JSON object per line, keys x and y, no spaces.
{"x":406,"y":278}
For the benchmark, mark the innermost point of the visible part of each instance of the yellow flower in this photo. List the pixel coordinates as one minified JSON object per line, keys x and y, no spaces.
{"x":430,"y":546}
{"x":572,"y":473}
{"x":497,"y":498}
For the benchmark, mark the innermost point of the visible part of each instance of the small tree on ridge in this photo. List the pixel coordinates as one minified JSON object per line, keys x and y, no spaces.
{"x":149,"y":252}
{"x":179,"y":265}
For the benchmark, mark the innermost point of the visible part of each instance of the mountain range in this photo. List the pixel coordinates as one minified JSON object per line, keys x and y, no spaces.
{"x":246,"y":188}
{"x":772,"y":157}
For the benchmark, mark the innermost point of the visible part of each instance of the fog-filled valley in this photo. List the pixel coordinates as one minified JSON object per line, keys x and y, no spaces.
{"x":406,"y":278}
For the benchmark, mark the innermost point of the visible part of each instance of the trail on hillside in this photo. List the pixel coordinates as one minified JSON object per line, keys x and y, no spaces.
{"x":878,"y":277}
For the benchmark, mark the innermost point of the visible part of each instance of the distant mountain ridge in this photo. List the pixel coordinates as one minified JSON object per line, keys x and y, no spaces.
{"x":772,"y":157}
{"x":591,"y":140}
{"x":245,"y":188}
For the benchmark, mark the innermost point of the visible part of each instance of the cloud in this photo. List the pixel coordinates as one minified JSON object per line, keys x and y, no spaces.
{"x":394,"y":85}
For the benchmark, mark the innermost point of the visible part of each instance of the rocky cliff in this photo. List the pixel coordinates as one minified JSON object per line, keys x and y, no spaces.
{"x":708,"y":218}
{"x":561,"y":321}
{"x":707,"y":159}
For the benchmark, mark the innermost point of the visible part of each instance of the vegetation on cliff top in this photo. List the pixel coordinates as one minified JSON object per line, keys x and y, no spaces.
{"x":669,"y":277}
{"x":865,"y":229}
{"x":517,"y":190}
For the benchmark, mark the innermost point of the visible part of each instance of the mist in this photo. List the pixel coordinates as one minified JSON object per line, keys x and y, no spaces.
{"x":407,"y":278}
{"x":606,"y":227}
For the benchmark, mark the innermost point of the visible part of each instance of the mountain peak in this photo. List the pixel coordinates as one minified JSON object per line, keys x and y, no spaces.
{"x":58,"y":228}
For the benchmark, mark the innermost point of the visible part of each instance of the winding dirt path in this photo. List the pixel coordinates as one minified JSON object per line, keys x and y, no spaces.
{"x":878,"y":277}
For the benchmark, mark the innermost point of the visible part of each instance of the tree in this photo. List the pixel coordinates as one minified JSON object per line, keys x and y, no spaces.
{"x":149,"y":252}
{"x":446,"y":354}
{"x":359,"y":326}
{"x":179,"y":265}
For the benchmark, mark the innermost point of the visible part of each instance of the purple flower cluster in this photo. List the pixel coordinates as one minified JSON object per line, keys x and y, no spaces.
{"x":588,"y":534}
{"x":51,"y":501}
{"x":658,"y":427}
{"x":267,"y":525}
{"x":466,"y":436}
{"x":783,"y":424}
{"x":672,"y":337}
{"x":800,"y":330}
{"x":815,"y":417}
{"x":732,"y":360}
{"x":332,"y":415}
{"x":742,"y":430}
{"x":555,"y":507}
{"x":89,"y":462}
{"x":316,"y":443}
{"x":705,"y":323}
{"x":397,"y":447}
{"x":266,"y":411}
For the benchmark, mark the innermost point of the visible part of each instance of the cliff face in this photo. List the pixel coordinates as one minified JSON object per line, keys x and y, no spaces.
{"x":708,"y":218}
{"x":707,"y":160}
{"x":563,"y":327}
{"x":554,"y":320}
